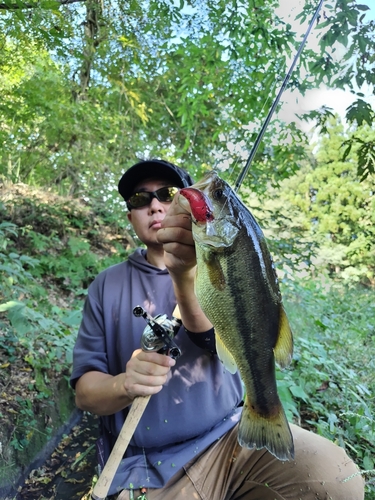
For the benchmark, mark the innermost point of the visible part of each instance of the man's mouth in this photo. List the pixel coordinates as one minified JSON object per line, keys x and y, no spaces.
{"x":156,"y":223}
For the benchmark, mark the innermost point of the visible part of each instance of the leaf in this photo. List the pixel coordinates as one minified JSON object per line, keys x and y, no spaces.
{"x":366,"y":159}
{"x":362,"y":7}
{"x":73,"y":318}
{"x":298,"y":392}
{"x":332,"y":420}
{"x":347,"y":150}
{"x":368,"y":463}
{"x":50,"y":5}
{"x":321,"y":324}
{"x":360,"y":111}
{"x":10,"y":305}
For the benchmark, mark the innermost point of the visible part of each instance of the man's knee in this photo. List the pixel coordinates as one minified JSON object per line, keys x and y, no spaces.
{"x":326,"y":467}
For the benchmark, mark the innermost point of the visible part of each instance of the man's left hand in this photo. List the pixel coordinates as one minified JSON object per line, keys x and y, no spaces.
{"x":177,"y":239}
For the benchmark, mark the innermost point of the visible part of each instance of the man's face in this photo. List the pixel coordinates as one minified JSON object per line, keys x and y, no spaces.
{"x":146,"y":220}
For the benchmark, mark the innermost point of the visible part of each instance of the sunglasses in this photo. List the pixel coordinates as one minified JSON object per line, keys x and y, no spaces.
{"x":144,"y":198}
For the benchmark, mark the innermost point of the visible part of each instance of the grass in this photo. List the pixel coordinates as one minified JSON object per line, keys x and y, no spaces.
{"x":330,"y":386}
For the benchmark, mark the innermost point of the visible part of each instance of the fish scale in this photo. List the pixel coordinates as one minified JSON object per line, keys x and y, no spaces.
{"x":247,"y":339}
{"x":236,"y":286}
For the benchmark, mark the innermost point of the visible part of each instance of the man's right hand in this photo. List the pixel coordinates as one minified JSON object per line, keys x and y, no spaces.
{"x":104,"y":394}
{"x":146,"y":373}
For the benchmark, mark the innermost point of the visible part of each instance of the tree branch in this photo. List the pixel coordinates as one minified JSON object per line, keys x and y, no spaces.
{"x":21,"y":5}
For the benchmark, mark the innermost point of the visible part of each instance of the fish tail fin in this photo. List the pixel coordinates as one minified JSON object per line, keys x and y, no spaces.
{"x":272,"y":433}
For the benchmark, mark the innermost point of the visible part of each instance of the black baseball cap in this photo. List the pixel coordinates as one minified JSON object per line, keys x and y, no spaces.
{"x":152,"y":168}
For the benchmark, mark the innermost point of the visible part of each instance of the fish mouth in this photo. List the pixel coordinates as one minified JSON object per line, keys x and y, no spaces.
{"x":220,"y":233}
{"x":209,"y":230}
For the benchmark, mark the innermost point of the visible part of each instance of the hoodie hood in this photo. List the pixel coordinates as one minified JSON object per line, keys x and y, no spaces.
{"x":138,"y":260}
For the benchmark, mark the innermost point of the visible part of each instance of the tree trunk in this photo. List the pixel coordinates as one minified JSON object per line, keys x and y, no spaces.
{"x":91,"y":40}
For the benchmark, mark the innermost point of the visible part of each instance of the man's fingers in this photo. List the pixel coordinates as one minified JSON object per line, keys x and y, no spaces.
{"x":146,"y":373}
{"x":172,"y":220}
{"x":175,"y":235}
{"x":176,"y":226}
{"x":150,"y":363}
{"x":177,"y":216}
{"x":175,"y":208}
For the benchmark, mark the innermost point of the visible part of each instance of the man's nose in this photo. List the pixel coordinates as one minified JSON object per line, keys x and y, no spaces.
{"x":156,"y":205}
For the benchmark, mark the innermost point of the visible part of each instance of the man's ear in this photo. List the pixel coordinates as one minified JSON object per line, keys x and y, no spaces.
{"x":129,"y":214}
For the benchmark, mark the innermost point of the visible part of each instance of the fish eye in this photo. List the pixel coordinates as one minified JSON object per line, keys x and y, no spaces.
{"x":218,"y":194}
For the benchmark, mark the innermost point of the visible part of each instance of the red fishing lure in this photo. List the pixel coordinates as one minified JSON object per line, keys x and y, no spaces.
{"x":199,"y":204}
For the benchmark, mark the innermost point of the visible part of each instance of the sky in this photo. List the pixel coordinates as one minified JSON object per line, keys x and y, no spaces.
{"x":338,"y":100}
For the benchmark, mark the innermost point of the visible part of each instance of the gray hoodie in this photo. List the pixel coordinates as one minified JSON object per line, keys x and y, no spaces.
{"x":198,"y":403}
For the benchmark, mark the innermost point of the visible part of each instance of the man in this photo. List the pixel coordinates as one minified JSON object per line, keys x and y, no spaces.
{"x":185,"y":445}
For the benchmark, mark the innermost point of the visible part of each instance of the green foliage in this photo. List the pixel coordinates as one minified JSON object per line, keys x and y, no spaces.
{"x":50,"y":250}
{"x":42,"y":334}
{"x":346,"y":61}
{"x":361,"y":113}
{"x":292,"y":249}
{"x":333,"y":207}
{"x":69,"y":242}
{"x":182,"y":81}
{"x":331,"y":384}
{"x":25,"y":425}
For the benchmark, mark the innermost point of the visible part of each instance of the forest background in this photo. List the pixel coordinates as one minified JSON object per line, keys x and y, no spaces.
{"x":88,"y":87}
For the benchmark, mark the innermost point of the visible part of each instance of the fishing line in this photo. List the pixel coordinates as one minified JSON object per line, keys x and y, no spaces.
{"x":276,"y":101}
{"x":232,"y":169}
{"x":236,"y":160}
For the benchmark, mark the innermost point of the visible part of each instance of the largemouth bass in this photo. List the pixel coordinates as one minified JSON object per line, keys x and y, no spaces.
{"x":237,"y":288}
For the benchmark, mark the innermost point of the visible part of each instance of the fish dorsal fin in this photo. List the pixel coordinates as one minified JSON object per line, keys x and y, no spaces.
{"x":283,"y":349}
{"x":225,"y":356}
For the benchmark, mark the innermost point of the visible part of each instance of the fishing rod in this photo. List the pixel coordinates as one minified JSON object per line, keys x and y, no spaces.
{"x":276,"y":101}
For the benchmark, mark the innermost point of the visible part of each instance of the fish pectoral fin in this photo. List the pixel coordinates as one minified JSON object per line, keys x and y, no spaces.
{"x":215,"y":271}
{"x":225,"y":356}
{"x":283,"y":349}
